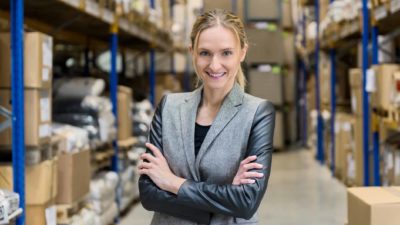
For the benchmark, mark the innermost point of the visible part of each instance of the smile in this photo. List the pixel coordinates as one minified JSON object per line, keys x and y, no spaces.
{"x":216,"y":75}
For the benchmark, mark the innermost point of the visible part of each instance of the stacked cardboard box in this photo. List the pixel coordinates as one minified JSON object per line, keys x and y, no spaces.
{"x":40,"y":189}
{"x":41,"y":178}
{"x":37,"y":83}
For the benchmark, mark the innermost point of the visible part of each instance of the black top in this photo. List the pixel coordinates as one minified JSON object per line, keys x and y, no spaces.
{"x":200,"y":133}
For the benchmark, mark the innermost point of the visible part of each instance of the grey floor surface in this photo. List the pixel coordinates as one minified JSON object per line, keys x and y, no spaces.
{"x":300,"y":192}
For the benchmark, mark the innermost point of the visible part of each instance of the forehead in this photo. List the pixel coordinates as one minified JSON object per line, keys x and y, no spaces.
{"x":217,"y":37}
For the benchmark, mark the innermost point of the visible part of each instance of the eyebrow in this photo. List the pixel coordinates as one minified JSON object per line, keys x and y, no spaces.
{"x":225,"y":49}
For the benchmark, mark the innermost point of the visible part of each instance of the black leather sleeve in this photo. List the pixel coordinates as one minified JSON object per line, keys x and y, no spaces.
{"x":238,"y":200}
{"x":156,"y":199}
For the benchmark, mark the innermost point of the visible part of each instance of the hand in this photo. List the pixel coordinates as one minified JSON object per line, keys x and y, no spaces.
{"x":244,"y":177}
{"x":158,"y":170}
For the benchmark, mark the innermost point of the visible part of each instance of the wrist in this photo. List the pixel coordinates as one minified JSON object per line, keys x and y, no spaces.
{"x":175,"y":184}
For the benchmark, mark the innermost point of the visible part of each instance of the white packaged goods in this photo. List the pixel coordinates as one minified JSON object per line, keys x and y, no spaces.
{"x":102,"y":191}
{"x":9,"y":204}
{"x":78,"y":87}
{"x":76,"y":138}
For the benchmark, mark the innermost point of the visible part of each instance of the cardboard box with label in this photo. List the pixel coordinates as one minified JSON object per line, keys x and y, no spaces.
{"x":373,"y":205}
{"x":74,"y":172}
{"x":37,"y":116}
{"x":344,"y":142}
{"x":383,"y":96}
{"x":40,"y":181}
{"x":355,"y":79}
{"x":38,"y":60}
{"x":44,"y":214}
{"x":124,"y":112}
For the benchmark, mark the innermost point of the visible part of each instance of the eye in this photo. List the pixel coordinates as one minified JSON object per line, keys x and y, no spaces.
{"x":227,"y":53}
{"x":204,"y":53}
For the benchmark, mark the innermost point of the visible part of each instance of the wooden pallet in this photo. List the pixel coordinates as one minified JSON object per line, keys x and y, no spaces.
{"x":388,"y":114}
{"x":67,"y":211}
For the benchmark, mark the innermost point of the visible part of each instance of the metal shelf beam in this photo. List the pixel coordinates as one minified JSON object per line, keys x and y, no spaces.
{"x":17,"y":89}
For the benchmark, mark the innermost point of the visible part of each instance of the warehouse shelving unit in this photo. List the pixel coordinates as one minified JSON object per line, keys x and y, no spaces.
{"x":78,"y":22}
{"x":383,"y":21}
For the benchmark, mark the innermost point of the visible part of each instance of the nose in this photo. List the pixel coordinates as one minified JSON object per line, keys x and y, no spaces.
{"x":215,"y":64}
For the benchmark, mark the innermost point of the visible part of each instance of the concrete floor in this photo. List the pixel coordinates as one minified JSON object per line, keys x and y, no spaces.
{"x":300,"y":192}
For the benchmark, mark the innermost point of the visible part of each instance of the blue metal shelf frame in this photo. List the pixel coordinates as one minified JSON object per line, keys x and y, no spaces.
{"x":320,"y":125}
{"x":332,"y":54}
{"x":375,"y":134}
{"x":365,"y":105}
{"x":17,"y":84}
{"x":114,"y":100}
{"x":152,"y":69}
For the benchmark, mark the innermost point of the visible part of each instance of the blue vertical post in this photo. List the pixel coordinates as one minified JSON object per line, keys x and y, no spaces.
{"x":333,"y":105}
{"x":365,"y":64}
{"x":17,"y":89}
{"x":375,"y":134}
{"x":152,"y":68}
{"x":114,"y":95}
{"x":320,"y":125}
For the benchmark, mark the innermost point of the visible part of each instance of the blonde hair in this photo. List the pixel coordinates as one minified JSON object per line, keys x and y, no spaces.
{"x":226,"y":19}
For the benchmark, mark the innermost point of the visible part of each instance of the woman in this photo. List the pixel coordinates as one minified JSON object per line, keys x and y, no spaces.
{"x":211,"y":148}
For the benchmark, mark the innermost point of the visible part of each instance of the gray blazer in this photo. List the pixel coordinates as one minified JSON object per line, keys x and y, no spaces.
{"x":243,"y":127}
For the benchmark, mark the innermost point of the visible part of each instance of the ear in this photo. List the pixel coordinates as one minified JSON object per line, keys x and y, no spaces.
{"x":190,"y":49}
{"x":243,"y":52}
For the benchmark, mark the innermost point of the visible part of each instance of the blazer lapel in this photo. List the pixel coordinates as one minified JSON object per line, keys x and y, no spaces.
{"x":226,"y":113}
{"x":188,"y":112}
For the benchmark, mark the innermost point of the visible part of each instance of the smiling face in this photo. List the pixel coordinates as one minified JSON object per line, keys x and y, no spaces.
{"x":217,"y":57}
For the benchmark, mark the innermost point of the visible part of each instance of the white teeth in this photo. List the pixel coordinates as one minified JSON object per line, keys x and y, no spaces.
{"x":216,"y":74}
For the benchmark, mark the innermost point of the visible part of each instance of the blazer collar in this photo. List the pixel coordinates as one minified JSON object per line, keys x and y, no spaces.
{"x":188,"y":112}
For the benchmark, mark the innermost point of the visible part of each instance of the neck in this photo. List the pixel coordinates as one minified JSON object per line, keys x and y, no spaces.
{"x":214,"y":97}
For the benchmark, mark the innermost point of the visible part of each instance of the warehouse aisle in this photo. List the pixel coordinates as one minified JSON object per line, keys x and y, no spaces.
{"x":301,"y":192}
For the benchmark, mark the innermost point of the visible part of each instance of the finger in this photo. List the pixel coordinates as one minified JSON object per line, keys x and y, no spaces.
{"x":143,"y":171}
{"x":248,"y":159}
{"x":253,"y":175}
{"x":250,"y":166}
{"x":155,"y":150}
{"x":247,"y":181}
{"x":148,"y":157}
{"x":145,"y":165}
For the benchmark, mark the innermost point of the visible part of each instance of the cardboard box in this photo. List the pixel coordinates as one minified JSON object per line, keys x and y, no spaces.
{"x":290,"y":86}
{"x":382,"y":98}
{"x":44,"y":214}
{"x":344,"y":142}
{"x":37,"y":116}
{"x":40,"y":181}
{"x":74,"y":172}
{"x":287,"y":20}
{"x":38,"y":60}
{"x":223,"y":4}
{"x":373,"y":205}
{"x":259,"y":10}
{"x":288,"y":50}
{"x":266,"y":85}
{"x":265,"y":46}
{"x":325,"y":80}
{"x":124,"y":112}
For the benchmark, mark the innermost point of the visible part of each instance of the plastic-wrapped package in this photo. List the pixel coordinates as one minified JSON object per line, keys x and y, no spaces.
{"x":102,"y":190}
{"x":9,"y":204}
{"x":78,"y":87}
{"x":108,"y":216}
{"x":76,"y":137}
{"x":100,"y":206}
{"x":140,"y":129}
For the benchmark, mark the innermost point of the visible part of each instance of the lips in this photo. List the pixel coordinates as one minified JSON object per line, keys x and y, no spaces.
{"x":216,"y":75}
